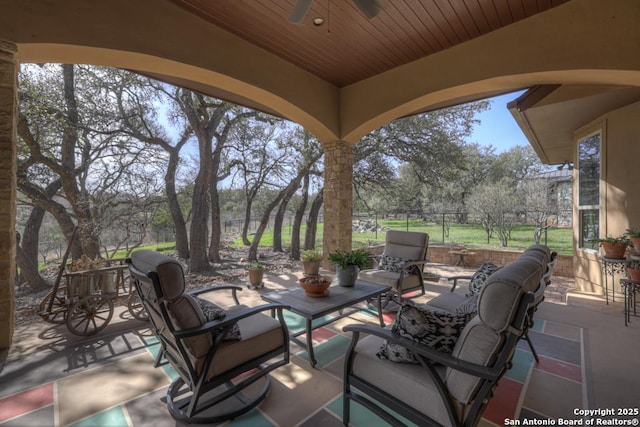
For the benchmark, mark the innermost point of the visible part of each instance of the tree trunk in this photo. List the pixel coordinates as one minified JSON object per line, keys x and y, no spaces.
{"x":182,"y":241}
{"x":216,"y":226}
{"x":28,"y":269}
{"x":247,"y":220}
{"x":253,"y":249}
{"x":277,"y":224}
{"x":297,"y":220}
{"x":312,"y":222}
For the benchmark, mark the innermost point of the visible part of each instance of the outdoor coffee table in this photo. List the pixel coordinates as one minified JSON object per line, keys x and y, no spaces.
{"x":339,"y":298}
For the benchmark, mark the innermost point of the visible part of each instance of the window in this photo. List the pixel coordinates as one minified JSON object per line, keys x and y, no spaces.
{"x":589,"y":190}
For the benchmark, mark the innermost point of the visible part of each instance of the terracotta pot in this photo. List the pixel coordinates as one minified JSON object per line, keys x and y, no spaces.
{"x":636,"y":244}
{"x":634,"y":274}
{"x":316,"y":286}
{"x":255,"y":276}
{"x":311,"y":268}
{"x":614,"y":250}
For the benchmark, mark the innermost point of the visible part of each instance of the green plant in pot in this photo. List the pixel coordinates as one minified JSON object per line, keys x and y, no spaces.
{"x":311,"y":262}
{"x":348,"y":265}
{"x":256,"y":272}
{"x":613,"y":247}
{"x":633,"y":234}
{"x":633,"y":270}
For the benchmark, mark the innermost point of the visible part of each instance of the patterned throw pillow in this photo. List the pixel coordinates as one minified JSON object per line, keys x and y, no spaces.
{"x":437,"y":329}
{"x":394,"y":264}
{"x":213,"y":312}
{"x":481,"y":276}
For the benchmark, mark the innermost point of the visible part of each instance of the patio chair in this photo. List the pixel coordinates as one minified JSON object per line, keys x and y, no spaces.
{"x":401,"y":263}
{"x":216,"y":354}
{"x":440,"y":388}
{"x":457,"y":303}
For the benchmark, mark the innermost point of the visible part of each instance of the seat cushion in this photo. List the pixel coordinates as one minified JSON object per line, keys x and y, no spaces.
{"x":389,"y":278}
{"x":408,"y":383}
{"x":260,"y":335}
{"x":437,"y":329}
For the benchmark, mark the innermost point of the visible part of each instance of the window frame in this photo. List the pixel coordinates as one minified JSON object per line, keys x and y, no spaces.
{"x":581,"y":209}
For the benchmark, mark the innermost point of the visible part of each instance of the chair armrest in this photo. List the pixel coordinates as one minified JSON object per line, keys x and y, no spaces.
{"x":425,"y":351}
{"x":455,"y":280}
{"x":375,"y":258}
{"x":234,"y":289}
{"x":229,"y":320}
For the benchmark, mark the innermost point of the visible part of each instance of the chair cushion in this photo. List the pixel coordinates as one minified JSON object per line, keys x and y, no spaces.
{"x":212,"y":312}
{"x":409,"y":383}
{"x":187,"y":314}
{"x":480,"y":277}
{"x":388,"y":278}
{"x":169,"y":271}
{"x":260,"y":335}
{"x":436,"y":329}
{"x":393,"y":264}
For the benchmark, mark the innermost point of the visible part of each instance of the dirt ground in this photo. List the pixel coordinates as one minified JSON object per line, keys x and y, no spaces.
{"x":232,"y":270}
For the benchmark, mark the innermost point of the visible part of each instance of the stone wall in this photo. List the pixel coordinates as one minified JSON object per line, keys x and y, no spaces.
{"x":8,"y":103}
{"x":440,"y":255}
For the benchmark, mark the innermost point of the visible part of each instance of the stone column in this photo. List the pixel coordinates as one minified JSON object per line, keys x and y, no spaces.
{"x":338,"y":197}
{"x":8,"y":115}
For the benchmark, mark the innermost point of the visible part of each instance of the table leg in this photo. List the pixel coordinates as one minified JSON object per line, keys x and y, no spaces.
{"x":312,"y":357}
{"x":380,"y":311}
{"x":626,"y":306}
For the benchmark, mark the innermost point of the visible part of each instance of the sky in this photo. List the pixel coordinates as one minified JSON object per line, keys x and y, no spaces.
{"x":497,"y":126}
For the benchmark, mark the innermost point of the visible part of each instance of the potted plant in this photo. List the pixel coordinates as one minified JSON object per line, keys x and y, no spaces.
{"x":348,"y":264}
{"x":633,"y":234}
{"x":311,"y":262}
{"x":613,"y":247}
{"x":315,"y":286}
{"x":633,"y":270}
{"x":256,"y":272}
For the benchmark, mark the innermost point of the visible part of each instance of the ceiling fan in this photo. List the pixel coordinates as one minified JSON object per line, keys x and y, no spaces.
{"x":370,"y":8}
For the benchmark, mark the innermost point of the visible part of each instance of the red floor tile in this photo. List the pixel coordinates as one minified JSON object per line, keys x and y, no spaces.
{"x":560,"y":368}
{"x":505,"y":401}
{"x":27,"y":401}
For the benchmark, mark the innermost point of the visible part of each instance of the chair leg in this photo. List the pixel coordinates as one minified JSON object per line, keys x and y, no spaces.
{"x":533,"y":350}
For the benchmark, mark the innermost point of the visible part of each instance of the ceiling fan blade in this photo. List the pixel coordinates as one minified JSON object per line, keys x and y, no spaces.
{"x":370,"y":8}
{"x":300,"y":11}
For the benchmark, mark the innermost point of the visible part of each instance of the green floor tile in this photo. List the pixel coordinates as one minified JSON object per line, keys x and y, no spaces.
{"x":522,"y":361}
{"x":113,"y":417}
{"x":328,"y":351}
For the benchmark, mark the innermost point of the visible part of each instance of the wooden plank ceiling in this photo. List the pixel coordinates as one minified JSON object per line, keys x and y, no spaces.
{"x":349,"y":47}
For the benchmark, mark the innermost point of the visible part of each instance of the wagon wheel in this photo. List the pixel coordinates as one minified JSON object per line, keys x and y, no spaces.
{"x":137,"y":310}
{"x":89,"y":315}
{"x":58,"y":312}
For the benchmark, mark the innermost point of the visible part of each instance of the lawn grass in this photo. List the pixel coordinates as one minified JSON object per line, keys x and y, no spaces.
{"x":472,"y":236}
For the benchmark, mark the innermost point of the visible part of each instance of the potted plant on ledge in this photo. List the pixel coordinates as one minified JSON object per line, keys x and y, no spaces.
{"x":348,"y":265}
{"x":633,"y":234}
{"x":613,"y":247}
{"x":311,"y":262}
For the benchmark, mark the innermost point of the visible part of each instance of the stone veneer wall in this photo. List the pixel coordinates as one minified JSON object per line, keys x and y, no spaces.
{"x":440,"y":255}
{"x":8,"y":114}
{"x":338,"y":178}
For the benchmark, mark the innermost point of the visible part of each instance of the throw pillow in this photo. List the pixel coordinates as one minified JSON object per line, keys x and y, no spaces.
{"x":437,"y":329}
{"x":394,"y":264}
{"x":481,"y":276}
{"x":213,"y":312}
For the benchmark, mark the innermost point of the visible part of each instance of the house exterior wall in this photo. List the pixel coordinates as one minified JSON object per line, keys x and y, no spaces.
{"x":619,"y":189}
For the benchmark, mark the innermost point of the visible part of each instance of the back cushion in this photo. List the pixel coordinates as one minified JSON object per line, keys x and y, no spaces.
{"x":409,"y":245}
{"x":169,"y":271}
{"x":482,"y":340}
{"x":187,"y":314}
